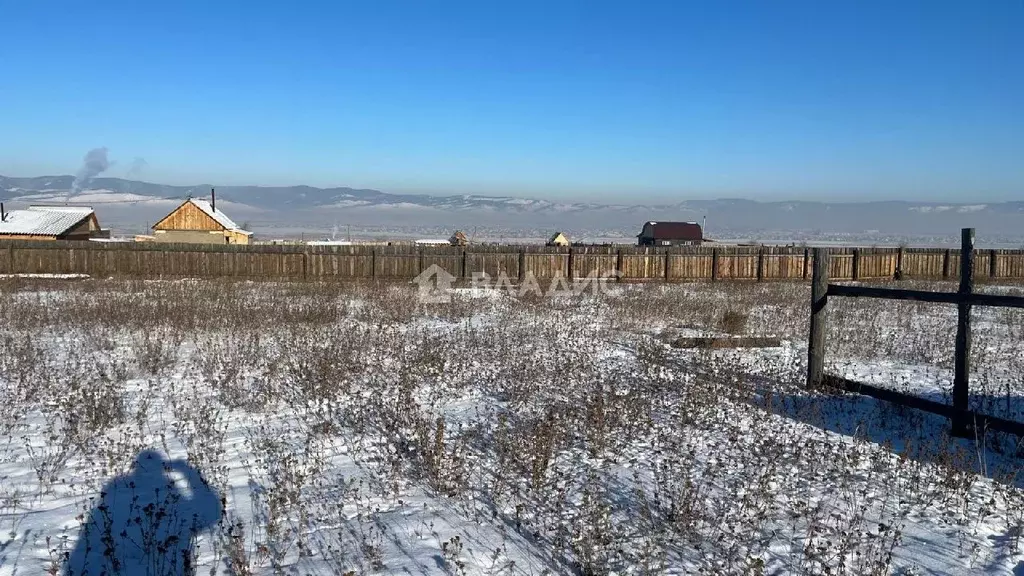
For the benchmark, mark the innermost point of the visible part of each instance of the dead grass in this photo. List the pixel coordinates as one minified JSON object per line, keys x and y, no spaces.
{"x":655,"y":458}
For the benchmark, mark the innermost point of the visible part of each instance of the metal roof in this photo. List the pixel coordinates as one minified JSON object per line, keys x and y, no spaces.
{"x":44,"y":220}
{"x":688,"y":231}
{"x":217,"y":215}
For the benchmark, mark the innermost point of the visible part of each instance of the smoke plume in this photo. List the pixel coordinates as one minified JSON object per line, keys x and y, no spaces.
{"x":94,"y":163}
{"x":136,"y":168}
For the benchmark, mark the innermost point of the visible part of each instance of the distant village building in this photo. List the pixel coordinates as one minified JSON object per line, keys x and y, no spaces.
{"x":433,"y":242}
{"x":458,"y":239}
{"x":50,"y":223}
{"x":199,"y":222}
{"x":325,"y":243}
{"x":670,"y":234}
{"x":558,"y":239}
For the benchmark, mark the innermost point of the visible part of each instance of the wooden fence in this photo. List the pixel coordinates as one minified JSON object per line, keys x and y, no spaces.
{"x":628,"y":263}
{"x":970,"y":262}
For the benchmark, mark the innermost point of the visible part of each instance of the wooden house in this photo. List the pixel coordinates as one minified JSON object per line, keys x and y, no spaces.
{"x":670,"y":234}
{"x":199,"y":222}
{"x":558,"y":239}
{"x":458,"y":239}
{"x":50,"y":223}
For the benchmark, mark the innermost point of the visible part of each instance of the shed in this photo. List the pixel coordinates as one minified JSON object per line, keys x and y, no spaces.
{"x":199,"y":222}
{"x":670,"y":234}
{"x":50,"y":223}
{"x":558,"y":239}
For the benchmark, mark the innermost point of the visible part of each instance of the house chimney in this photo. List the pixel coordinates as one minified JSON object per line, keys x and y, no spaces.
{"x":704,"y":227}
{"x":213,"y":199}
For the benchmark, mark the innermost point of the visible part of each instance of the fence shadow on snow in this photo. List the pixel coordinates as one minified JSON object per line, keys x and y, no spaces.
{"x":912,"y":433}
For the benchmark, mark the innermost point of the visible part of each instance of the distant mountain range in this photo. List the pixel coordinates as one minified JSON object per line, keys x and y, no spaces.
{"x":42,"y":188}
{"x":273,"y":207}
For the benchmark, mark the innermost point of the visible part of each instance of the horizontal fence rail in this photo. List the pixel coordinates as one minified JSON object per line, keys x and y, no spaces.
{"x":978,"y":421}
{"x":974,"y":299}
{"x":627,"y":263}
{"x":965,"y":422}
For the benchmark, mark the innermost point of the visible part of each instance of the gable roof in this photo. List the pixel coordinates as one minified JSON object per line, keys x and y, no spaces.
{"x":215,"y":213}
{"x":207,"y":208}
{"x":44,"y":220}
{"x":556,"y":236}
{"x":673,"y":231}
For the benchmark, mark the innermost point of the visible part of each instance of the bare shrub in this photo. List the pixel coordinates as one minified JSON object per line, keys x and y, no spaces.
{"x":358,"y":425}
{"x":733,"y":321}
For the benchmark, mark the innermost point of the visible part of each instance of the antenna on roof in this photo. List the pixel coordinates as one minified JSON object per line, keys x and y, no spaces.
{"x":213,"y":199}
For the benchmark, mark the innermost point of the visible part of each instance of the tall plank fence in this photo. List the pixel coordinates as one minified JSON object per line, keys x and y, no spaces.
{"x":636,"y":264}
{"x":965,"y":422}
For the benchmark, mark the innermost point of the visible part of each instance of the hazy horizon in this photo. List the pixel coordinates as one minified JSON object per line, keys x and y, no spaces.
{"x":632,"y":198}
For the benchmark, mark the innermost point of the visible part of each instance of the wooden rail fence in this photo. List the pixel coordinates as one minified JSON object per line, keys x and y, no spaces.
{"x":965,"y":422}
{"x":710,"y":263}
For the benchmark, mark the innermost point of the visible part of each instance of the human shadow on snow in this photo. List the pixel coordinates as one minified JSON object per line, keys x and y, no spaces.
{"x":146,"y":522}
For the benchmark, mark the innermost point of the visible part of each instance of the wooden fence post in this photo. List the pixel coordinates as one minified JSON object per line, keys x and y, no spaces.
{"x":462,"y":273}
{"x":807,"y":262}
{"x":819,"y":317}
{"x":305,"y":264}
{"x":962,"y":360}
{"x":618,"y":265}
{"x":373,"y":263}
{"x":522,"y":265}
{"x":760,"y":263}
{"x":945,"y":264}
{"x":89,"y":266}
{"x":666,"y":265}
{"x":856,"y":264}
{"x":714,"y":264}
{"x":993,"y":269}
{"x":101,"y":266}
{"x":899,"y":264}
{"x":570,"y":274}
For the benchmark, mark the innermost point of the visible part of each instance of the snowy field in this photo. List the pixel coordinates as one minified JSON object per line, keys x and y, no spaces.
{"x":245,"y":428}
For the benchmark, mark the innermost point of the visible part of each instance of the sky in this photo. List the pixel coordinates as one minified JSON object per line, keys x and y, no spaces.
{"x":560,"y":99}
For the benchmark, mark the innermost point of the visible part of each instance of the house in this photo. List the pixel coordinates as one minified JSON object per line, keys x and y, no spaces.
{"x":670,"y":234}
{"x":199,"y":222}
{"x":558,"y":239}
{"x":50,"y":223}
{"x":458,"y":239}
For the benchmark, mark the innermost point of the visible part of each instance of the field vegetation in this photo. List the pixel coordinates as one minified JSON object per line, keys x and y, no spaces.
{"x":350,"y":429}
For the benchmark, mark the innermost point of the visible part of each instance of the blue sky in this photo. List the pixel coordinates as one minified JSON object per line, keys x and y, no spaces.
{"x":768,"y":99}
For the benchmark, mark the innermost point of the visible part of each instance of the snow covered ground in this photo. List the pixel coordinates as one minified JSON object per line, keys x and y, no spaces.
{"x":247,"y":428}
